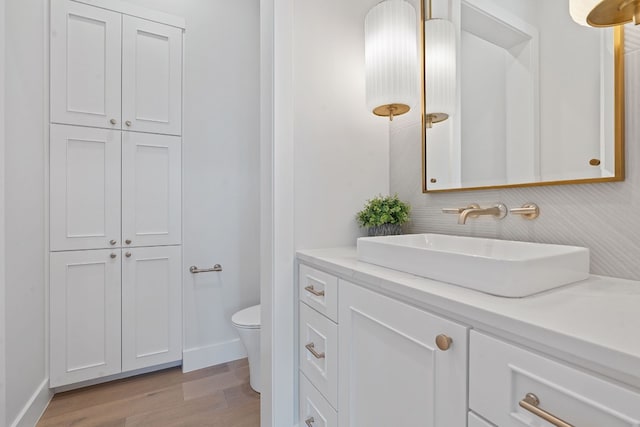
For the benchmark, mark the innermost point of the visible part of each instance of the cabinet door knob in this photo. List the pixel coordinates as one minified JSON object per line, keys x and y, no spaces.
{"x":128,"y":254}
{"x":128,"y":241}
{"x":443,"y":342}
{"x":113,"y":121}
{"x":113,"y":256}
{"x":128,"y":123}
{"x":309,"y":421}
{"x":112,"y":242}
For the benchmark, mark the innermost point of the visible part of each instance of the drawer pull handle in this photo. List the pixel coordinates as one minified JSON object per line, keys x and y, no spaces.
{"x":312,"y":349}
{"x":531,"y":403}
{"x":309,"y":421}
{"x":313,"y":291}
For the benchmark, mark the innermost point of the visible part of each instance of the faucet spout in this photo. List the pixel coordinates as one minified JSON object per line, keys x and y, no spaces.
{"x":499,"y":211}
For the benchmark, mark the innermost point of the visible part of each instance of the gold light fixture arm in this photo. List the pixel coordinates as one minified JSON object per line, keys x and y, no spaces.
{"x":391,"y":110}
{"x":614,"y":12}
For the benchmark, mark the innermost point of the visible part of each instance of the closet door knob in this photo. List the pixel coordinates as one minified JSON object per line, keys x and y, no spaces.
{"x":128,"y":123}
{"x":128,"y":241}
{"x":128,"y":254}
{"x":113,"y":121}
{"x":113,"y":256}
{"x":112,"y":242}
{"x":443,"y":342}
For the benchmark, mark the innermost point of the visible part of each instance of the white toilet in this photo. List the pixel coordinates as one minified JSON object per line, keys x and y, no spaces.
{"x":247,"y":322}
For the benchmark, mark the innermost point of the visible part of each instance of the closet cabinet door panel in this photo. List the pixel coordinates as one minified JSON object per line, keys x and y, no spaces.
{"x":85,"y":315}
{"x":151,"y":77}
{"x":151,"y":189}
{"x":391,"y":372}
{"x":85,"y":65}
{"x":151,"y":307}
{"x":85,"y":188}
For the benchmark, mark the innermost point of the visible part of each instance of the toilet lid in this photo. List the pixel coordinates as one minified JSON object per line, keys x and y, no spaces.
{"x":247,"y":318}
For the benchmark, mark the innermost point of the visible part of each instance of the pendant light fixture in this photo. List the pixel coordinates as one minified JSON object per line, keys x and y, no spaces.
{"x":607,"y":13}
{"x":439,"y":69}
{"x":391,"y":58}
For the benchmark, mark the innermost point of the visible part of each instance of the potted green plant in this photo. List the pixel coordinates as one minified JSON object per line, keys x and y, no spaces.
{"x":384,"y":215}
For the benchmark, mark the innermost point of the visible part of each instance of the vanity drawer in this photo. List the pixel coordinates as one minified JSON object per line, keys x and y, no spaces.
{"x":315,"y":411}
{"x":319,"y":290}
{"x":318,"y":352}
{"x":476,"y":421}
{"x":502,"y":375}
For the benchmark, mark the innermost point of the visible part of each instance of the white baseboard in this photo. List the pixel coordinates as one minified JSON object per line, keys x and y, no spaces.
{"x":35,"y":407}
{"x":211,"y":355}
{"x":116,"y":377}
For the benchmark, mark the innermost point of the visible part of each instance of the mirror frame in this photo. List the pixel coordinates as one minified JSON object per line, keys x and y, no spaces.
{"x":618,"y":119}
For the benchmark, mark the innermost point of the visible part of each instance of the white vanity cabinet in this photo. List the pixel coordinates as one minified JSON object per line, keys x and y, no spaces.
{"x":544,"y":360}
{"x":115,"y":71}
{"x":391,"y":371}
{"x":505,"y":377}
{"x":367,"y":360}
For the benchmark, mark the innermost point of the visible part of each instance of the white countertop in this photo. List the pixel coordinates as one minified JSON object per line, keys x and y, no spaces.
{"x":594,"y":323}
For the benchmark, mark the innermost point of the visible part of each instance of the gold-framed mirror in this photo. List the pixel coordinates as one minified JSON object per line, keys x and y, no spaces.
{"x":539,"y":99}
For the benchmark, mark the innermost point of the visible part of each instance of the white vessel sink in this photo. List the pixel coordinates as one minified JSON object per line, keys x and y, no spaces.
{"x":498,"y":267}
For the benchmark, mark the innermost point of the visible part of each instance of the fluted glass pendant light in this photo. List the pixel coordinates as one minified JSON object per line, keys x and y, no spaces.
{"x":580,"y":9}
{"x":440,"y":70}
{"x":391,"y":58}
{"x":607,"y":13}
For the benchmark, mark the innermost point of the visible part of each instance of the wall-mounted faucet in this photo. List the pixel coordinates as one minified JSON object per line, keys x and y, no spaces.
{"x":474,"y":210}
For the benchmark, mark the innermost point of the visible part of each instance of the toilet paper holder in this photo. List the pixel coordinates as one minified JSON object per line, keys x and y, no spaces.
{"x":196,"y":270}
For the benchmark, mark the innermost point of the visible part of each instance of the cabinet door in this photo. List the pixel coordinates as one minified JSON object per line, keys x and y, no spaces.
{"x":85,"y":65}
{"x":151,"y":76}
{"x":151,"y":189}
{"x":391,"y":372}
{"x":85,"y":315}
{"x":151,"y":307}
{"x":85,"y":188}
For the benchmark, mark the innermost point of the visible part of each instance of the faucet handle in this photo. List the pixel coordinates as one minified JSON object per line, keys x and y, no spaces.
{"x":528,"y":211}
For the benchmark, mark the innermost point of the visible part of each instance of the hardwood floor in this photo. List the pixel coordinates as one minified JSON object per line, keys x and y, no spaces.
{"x":219,"y":396}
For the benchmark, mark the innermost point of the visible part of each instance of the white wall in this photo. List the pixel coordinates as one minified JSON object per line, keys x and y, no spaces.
{"x":3,"y":384}
{"x":602,"y":217}
{"x":323,"y":156}
{"x":220,"y":171}
{"x":25,"y":210}
{"x":340,"y":148}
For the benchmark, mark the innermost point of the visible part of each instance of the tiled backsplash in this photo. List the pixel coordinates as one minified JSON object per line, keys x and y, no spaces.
{"x":603,"y":217}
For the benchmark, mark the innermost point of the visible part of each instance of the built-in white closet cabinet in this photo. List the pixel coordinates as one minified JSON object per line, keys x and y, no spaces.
{"x":115,"y":191}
